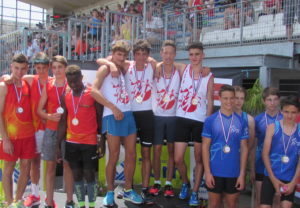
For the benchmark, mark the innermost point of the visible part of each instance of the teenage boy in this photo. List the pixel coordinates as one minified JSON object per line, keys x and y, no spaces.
{"x":281,"y":156}
{"x":16,"y":129}
{"x":118,"y":122}
{"x":225,"y":152}
{"x":271,"y":100}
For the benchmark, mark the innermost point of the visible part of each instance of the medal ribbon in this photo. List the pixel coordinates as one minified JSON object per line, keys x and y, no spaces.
{"x":75,"y":108}
{"x":122,"y":84}
{"x":195,"y":90}
{"x":171,"y":78}
{"x":222,"y":124}
{"x":285,"y":148}
{"x":266,"y":119}
{"x":139,"y":81}
{"x":19,"y":96}
{"x":58,"y":97}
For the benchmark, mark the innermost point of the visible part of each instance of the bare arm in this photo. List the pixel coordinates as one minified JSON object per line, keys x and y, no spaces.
{"x":180,"y":67}
{"x":99,"y":113}
{"x":28,"y":79}
{"x":251,"y":127}
{"x":210,"y":96}
{"x":240,"y":184}
{"x":62,"y":129}
{"x":252,"y":158}
{"x":209,"y":179}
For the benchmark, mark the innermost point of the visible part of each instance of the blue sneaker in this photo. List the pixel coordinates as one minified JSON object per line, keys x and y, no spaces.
{"x":109,"y":199}
{"x":184,"y":191}
{"x":194,"y":201}
{"x":133,"y":197}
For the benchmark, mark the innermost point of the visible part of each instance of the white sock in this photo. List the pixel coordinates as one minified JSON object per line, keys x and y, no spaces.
{"x":35,"y":189}
{"x":157,"y":182}
{"x":169,"y":183}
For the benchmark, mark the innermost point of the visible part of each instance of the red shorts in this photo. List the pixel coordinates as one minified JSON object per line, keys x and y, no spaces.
{"x":23,"y":149}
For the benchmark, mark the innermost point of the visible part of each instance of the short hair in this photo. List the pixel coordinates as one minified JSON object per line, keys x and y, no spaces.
{"x":290,"y":100}
{"x":195,"y":45}
{"x":122,"y":46}
{"x":20,"y":58}
{"x":270,"y":91}
{"x":60,"y":59}
{"x":73,"y":70}
{"x":41,"y":58}
{"x":169,"y":43}
{"x":226,"y":87}
{"x":142,"y":45}
{"x":240,"y":89}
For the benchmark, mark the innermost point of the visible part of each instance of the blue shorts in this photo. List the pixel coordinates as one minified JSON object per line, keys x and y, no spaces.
{"x":123,"y":128}
{"x":164,"y":129}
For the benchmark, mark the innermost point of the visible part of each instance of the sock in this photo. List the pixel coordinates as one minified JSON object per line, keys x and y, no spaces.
{"x":92,"y":191}
{"x":35,"y":189}
{"x":127,"y":190}
{"x":81,"y":203}
{"x":157,"y":182}
{"x":168,"y":183}
{"x":79,"y":191}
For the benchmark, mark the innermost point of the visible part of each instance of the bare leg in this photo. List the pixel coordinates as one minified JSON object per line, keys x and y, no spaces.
{"x":180,"y":148}
{"x":156,"y":161}
{"x":214,"y":200}
{"x":69,"y":180}
{"x":130,"y":159}
{"x":7,"y":180}
{"x":171,"y":163}
{"x":199,"y":165}
{"x":23,"y":178}
{"x":50,"y":181}
{"x":146,"y":166}
{"x":232,"y":200}
{"x":257,"y":191}
{"x":35,"y":170}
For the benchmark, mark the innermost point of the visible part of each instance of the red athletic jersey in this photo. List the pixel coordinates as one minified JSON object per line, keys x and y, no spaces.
{"x":18,"y":125}
{"x":86,"y":130}
{"x":198,"y":2}
{"x":53,"y":102}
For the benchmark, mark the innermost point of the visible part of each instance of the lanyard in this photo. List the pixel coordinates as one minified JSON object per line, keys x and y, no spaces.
{"x":222,"y":124}
{"x":58,"y":97}
{"x":75,"y":108}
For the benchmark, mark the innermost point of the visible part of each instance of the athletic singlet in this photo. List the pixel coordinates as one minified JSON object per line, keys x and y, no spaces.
{"x":85,"y":132}
{"x":114,"y":90}
{"x":261,"y":123}
{"x":18,"y":125}
{"x":186,"y":106}
{"x":196,"y":3}
{"x":284,"y":171}
{"x":139,"y":85}
{"x":53,"y":102}
{"x":165,"y":95}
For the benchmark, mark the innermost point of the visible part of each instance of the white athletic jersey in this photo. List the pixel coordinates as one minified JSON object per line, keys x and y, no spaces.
{"x":114,"y":90}
{"x":192,"y":103}
{"x":165,"y":95}
{"x":139,"y":85}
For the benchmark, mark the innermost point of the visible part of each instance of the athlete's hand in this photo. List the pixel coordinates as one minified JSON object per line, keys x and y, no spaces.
{"x":58,"y":156}
{"x":114,"y":70}
{"x":277,"y":184}
{"x":290,"y":187}
{"x":54,"y":117}
{"x":240,"y":183}
{"x":210,"y":181}
{"x":117,"y":114}
{"x":8,"y":146}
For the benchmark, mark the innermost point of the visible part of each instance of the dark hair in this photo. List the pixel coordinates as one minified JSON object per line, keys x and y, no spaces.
{"x":73,"y":70}
{"x":122,"y":46}
{"x":226,"y":87}
{"x":60,"y":59}
{"x":290,"y":100}
{"x":195,"y":45}
{"x":169,"y":43}
{"x":41,"y":58}
{"x":20,"y":58}
{"x":240,"y":89}
{"x":142,"y":45}
{"x":270,"y":91}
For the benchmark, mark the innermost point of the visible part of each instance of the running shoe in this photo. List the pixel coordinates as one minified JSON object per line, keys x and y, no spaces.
{"x":71,"y":204}
{"x":154,"y":190}
{"x":184,"y":191}
{"x":32,"y":200}
{"x":194,"y":201}
{"x":49,"y":206}
{"x":133,"y":197}
{"x":147,"y":197}
{"x":109,"y":199}
{"x":169,"y":192}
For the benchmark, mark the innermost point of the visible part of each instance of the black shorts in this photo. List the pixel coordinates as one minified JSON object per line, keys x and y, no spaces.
{"x":164,"y":129}
{"x":198,"y":20}
{"x":144,"y":121}
{"x":81,"y":156}
{"x":268,"y":191}
{"x":224,"y":185}
{"x":259,"y":177}
{"x":188,"y":130}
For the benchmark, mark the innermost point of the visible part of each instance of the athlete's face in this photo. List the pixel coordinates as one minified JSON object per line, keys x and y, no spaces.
{"x":59,"y":70}
{"x":42,"y":69}
{"x":75,"y":82}
{"x":289,"y":113}
{"x":239,"y":100}
{"x":272,"y":102}
{"x":196,"y":56}
{"x":168,"y":54}
{"x":18,"y":70}
{"x":119,"y":57}
{"x":227,"y":99}
{"x":140,"y":57}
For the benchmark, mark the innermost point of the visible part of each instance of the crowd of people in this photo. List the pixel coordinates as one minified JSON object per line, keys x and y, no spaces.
{"x":60,"y":118}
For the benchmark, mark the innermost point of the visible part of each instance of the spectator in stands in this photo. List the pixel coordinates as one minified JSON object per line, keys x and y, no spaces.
{"x":125,"y":6}
{"x":139,"y":7}
{"x":248,"y":13}
{"x":118,"y":19}
{"x":157,"y":12}
{"x":209,"y":5}
{"x":95,"y":25}
{"x":126,"y":29}
{"x":231,"y":15}
{"x":154,"y":28}
{"x":196,"y":16}
{"x":272,"y":6}
{"x":290,"y":8}
{"x":131,"y":9}
{"x":81,"y":47}
{"x":29,"y":50}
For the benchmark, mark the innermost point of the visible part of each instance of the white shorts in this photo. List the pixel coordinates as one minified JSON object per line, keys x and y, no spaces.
{"x":39,"y":135}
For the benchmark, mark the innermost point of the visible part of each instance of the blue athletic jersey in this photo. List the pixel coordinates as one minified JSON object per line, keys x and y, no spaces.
{"x":225,"y":164}
{"x":284,"y":171}
{"x":260,"y":132}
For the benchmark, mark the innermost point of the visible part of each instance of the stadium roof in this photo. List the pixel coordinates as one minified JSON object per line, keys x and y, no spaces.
{"x":62,"y":6}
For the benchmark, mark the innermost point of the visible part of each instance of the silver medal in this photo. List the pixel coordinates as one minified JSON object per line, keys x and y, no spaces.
{"x":139,"y":99}
{"x":75,"y":121}
{"x":285,"y":159}
{"x":60,"y":110}
{"x":166,"y":98}
{"x":195,"y":101}
{"x":20,"y":110}
{"x":226,"y":149}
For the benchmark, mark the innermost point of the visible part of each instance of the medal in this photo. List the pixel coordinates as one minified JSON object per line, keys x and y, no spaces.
{"x":19,"y":97}
{"x":194,"y":101}
{"x":196,"y":89}
{"x":122,"y":87}
{"x":139,"y":99}
{"x":75,"y":121}
{"x":60,"y":110}
{"x":226,"y":149}
{"x":166,"y":98}
{"x":20,"y":110}
{"x":139,"y":82}
{"x":285,"y":159}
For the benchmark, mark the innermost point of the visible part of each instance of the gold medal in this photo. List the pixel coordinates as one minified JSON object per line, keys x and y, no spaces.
{"x":194,"y":101}
{"x":166,"y":98}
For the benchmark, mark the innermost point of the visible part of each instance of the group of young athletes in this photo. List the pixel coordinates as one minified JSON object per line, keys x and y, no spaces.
{"x":59,"y":118}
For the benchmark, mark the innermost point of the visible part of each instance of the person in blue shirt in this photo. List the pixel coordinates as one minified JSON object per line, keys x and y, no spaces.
{"x":281,"y":156}
{"x":224,"y":151}
{"x":271,"y":100}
